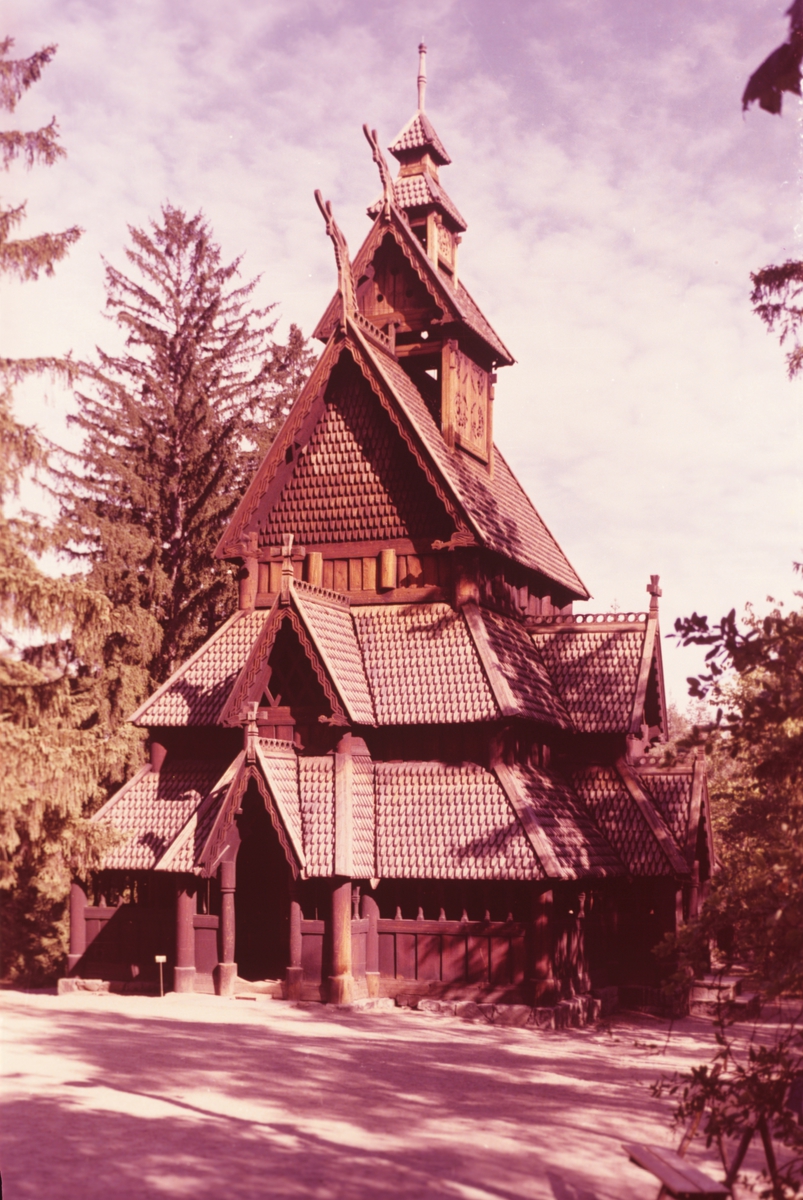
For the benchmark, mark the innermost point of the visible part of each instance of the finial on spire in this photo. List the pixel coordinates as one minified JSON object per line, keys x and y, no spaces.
{"x":422,"y":76}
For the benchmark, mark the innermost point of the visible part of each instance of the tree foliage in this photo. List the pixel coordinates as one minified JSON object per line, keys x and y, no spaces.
{"x":754,"y":912}
{"x":780,"y":71}
{"x":50,"y":633}
{"x":171,"y":426}
{"x":27,"y":257}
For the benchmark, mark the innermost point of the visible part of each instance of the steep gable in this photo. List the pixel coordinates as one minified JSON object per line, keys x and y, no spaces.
{"x":355,"y":479}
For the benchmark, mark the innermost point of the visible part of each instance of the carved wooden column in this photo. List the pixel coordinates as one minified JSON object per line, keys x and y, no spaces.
{"x":184,"y":972}
{"x":249,"y":582}
{"x":295,"y":972}
{"x":226,"y":972}
{"x":77,"y":925}
{"x":341,"y":983}
{"x":542,"y":980}
{"x":370,"y":910}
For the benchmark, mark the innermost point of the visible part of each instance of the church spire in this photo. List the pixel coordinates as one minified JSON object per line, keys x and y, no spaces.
{"x":422,"y":76}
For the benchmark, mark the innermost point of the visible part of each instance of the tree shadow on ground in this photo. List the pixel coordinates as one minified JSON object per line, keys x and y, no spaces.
{"x":321,"y":1105}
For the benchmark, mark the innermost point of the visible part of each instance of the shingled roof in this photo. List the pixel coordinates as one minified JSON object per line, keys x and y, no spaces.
{"x":436,"y":821}
{"x":419,"y":134}
{"x":595,"y":663}
{"x":497,"y":507}
{"x":419,"y":191}
{"x":604,"y":794}
{"x":197,"y":692}
{"x":422,"y":665}
{"x":413,"y":820}
{"x":355,"y":478}
{"x":154,"y":807}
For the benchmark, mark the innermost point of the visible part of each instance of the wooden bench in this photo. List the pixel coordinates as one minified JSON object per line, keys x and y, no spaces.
{"x":677,"y":1177}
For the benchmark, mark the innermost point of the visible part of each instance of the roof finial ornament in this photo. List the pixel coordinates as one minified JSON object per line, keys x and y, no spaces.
{"x":422,"y":75}
{"x":389,"y":196}
{"x":654,"y":591}
{"x":345,"y":278}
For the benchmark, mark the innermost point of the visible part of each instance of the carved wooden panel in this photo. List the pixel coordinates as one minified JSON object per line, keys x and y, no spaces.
{"x":466,"y":403}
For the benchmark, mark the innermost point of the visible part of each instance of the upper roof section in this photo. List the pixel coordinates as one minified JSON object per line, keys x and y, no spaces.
{"x":419,"y":137}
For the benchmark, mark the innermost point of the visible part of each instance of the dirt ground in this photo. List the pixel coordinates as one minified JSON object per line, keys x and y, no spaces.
{"x":192,"y":1096}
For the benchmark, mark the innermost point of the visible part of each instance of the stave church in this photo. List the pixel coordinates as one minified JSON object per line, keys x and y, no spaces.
{"x":407,"y":765}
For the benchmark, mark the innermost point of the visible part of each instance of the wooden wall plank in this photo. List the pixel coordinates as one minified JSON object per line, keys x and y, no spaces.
{"x":369,"y":574}
{"x":429,"y":957}
{"x":341,"y":575}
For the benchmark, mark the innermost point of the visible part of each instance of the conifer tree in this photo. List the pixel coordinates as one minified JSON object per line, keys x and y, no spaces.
{"x":172,"y":426}
{"x":50,"y":631}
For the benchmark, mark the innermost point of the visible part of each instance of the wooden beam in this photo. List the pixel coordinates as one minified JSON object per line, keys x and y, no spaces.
{"x":652,"y":817}
{"x":524,"y":811}
{"x":697,"y":781}
{"x":648,"y":646}
{"x":344,"y":815}
{"x":502,"y":692}
{"x":184,"y":970}
{"x":341,"y":981}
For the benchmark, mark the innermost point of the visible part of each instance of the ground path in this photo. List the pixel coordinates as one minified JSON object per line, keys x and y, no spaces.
{"x":119,"y":1098}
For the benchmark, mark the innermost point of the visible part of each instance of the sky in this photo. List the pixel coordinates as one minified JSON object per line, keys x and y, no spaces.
{"x":617,"y":200}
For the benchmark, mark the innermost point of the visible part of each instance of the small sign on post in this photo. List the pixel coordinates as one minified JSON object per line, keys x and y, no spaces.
{"x":161,"y":958}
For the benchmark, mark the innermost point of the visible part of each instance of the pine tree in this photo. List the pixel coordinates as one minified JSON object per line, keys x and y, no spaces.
{"x":28,"y":257}
{"x":50,"y":633}
{"x":172,"y":427}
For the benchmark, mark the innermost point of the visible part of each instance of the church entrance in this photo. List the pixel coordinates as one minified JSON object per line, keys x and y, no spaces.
{"x":262,"y":899}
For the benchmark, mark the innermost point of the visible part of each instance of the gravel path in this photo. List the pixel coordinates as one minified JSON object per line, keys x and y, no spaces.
{"x":123,"y":1097}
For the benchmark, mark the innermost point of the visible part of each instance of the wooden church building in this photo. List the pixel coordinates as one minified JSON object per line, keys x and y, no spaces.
{"x":405,"y":765}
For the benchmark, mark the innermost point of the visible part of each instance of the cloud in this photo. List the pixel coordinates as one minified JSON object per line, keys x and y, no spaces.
{"x":616,"y":199}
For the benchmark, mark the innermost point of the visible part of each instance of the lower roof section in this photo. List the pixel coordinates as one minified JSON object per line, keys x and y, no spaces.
{"x":410,"y":819}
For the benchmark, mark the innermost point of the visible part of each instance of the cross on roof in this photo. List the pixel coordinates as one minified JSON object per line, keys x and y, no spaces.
{"x":654,"y":591}
{"x":288,"y":553}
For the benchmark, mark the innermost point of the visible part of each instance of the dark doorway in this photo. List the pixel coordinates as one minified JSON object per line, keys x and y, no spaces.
{"x":262,"y":899}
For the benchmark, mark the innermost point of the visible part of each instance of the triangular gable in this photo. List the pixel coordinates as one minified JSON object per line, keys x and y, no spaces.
{"x":317,"y":476}
{"x":496,"y":509}
{"x":223,"y":831}
{"x":254,"y":678}
{"x":455,"y":302}
{"x":353,"y":480}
